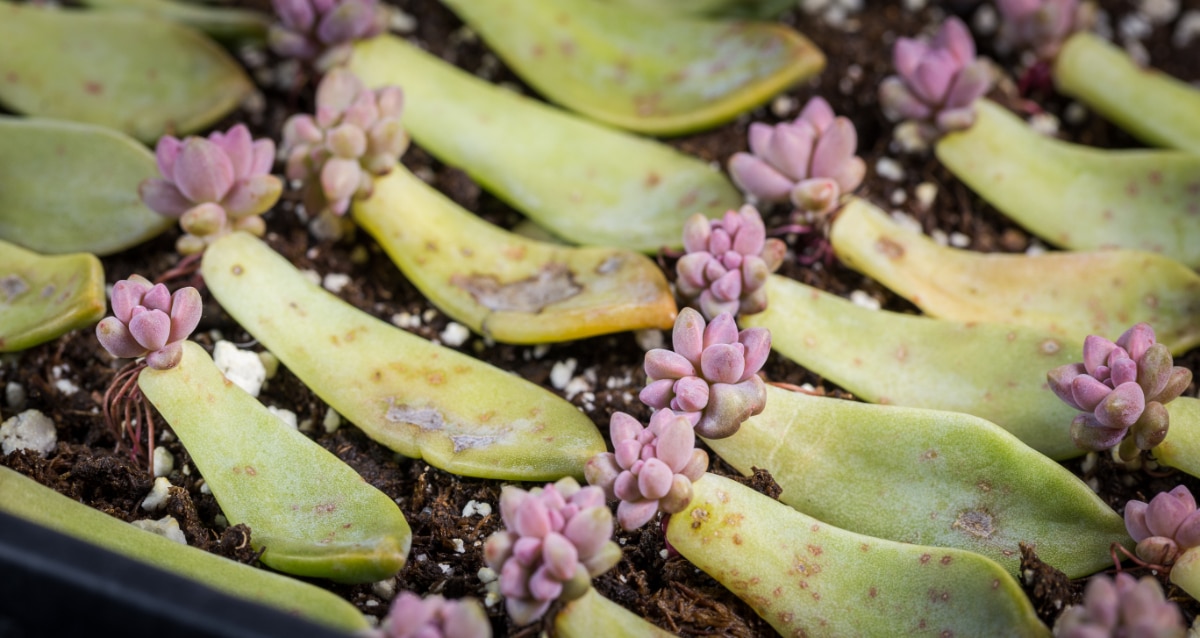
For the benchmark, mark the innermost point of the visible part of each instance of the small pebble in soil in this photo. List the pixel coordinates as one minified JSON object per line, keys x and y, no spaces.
{"x":1159,"y":11}
{"x":1187,"y":30}
{"x":164,"y":462}
{"x":560,"y":374}
{"x":959,"y":240}
{"x":312,"y":276}
{"x":242,"y":367}
{"x":865,"y":300}
{"x":985,"y":20}
{"x":783,"y":106}
{"x":158,"y":495}
{"x":29,"y":430}
{"x":332,"y":421}
{"x":287,"y":416}
{"x":385,"y":589}
{"x":167,"y":527}
{"x":459,"y":548}
{"x":335,"y":282}
{"x":1044,"y":123}
{"x":406,"y":321}
{"x":14,"y":396}
{"x":455,"y":334}
{"x":926,"y":193}
{"x":889,"y":169}
{"x":648,"y":340}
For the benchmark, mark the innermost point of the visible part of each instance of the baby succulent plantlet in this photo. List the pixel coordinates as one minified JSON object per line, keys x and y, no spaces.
{"x":213,"y":186}
{"x":1122,"y":606}
{"x":809,"y":161}
{"x":411,"y":616}
{"x":148,"y":321}
{"x":322,"y":31}
{"x":355,"y":136}
{"x":44,"y":297}
{"x":1121,"y":387}
{"x":1165,"y":527}
{"x":652,"y":469}
{"x":584,"y":182}
{"x":645,"y":73}
{"x":711,"y":376}
{"x":727,"y":263}
{"x":938,"y":81}
{"x":557,"y":539}
{"x":1041,"y":25}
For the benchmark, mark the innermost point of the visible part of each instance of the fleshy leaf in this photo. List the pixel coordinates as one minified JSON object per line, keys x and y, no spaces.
{"x":744,"y":8}
{"x":581,"y":618}
{"x":799,"y":573}
{"x":1156,"y":108}
{"x":69,"y":187}
{"x":43,"y":297}
{"x":1181,"y":448}
{"x":508,"y":287}
{"x":659,"y":76}
{"x":1078,"y":197}
{"x":949,"y":480}
{"x":313,"y":514}
{"x":23,"y":497}
{"x":141,"y":75}
{"x":582,"y":181}
{"x":1074,"y":294}
{"x":220,"y":22}
{"x":417,"y":398}
{"x":888,"y":357}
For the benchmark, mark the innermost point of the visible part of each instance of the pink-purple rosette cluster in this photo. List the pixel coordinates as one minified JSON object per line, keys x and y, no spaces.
{"x":711,"y":376}
{"x":149,"y":322}
{"x":411,"y":616}
{"x":355,"y":135}
{"x":1165,"y":527}
{"x":809,"y":161}
{"x":323,"y":31}
{"x":938,"y":81}
{"x":653,"y":467}
{"x":557,"y":539}
{"x":214,"y":186}
{"x":1040,"y":25}
{"x":1123,"y":606}
{"x":1121,"y":388}
{"x":727,"y":263}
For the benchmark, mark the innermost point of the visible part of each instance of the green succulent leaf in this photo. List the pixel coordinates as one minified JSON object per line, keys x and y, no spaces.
{"x":311,"y":513}
{"x":134,"y":73}
{"x":417,"y":398}
{"x":948,"y":479}
{"x":508,"y":287}
{"x":1155,"y":107}
{"x":23,"y":497}
{"x":808,"y":578}
{"x":1181,"y":448}
{"x":222,"y":23}
{"x":67,"y":187}
{"x":1072,"y":294}
{"x":656,"y":75}
{"x":582,"y":181}
{"x":1078,"y":197}
{"x":581,"y":617}
{"x":42,"y":298}
{"x":993,"y":371}
{"x":764,"y":9}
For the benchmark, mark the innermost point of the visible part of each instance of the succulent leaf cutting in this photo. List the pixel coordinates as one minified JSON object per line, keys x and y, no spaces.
{"x":1122,"y":606}
{"x":214,"y":186}
{"x":557,"y":540}
{"x":1121,"y":387}
{"x":727,"y":262}
{"x":322,"y":31}
{"x":433,"y":616}
{"x":809,"y":161}
{"x":148,"y":321}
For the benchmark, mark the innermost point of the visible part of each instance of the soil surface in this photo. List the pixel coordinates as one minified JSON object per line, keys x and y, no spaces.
{"x":67,"y":378}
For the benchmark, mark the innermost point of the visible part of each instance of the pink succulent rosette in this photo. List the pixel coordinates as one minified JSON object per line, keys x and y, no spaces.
{"x":1122,"y":388}
{"x":1165,"y":527}
{"x":355,"y":135}
{"x":711,"y":376}
{"x":653,"y":468}
{"x":149,"y":322}
{"x":727,"y":263}
{"x":1123,"y":606}
{"x":557,"y":539}
{"x":214,"y":186}
{"x":411,"y":616}
{"x":324,"y":30}
{"x":1040,"y":25}
{"x":809,"y":161}
{"x":938,"y":81}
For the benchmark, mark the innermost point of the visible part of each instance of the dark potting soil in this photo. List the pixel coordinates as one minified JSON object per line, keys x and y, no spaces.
{"x":447,"y":546}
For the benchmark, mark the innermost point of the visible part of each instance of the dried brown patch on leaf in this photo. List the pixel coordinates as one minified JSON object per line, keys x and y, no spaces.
{"x":552,"y":284}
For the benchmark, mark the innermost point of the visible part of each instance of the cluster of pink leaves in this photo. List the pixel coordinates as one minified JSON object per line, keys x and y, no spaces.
{"x":149,"y":322}
{"x":321,"y":31}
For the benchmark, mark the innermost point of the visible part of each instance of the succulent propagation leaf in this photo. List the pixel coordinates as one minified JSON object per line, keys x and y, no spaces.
{"x":311,"y":513}
{"x":1073,"y":294}
{"x":926,"y":477}
{"x":417,"y":398}
{"x":22,"y":496}
{"x":68,"y":187}
{"x":140,"y":75}
{"x":993,"y":371}
{"x":220,"y":22}
{"x":801,"y":574}
{"x":44,"y":297}
{"x":1078,"y":197}
{"x":581,"y":617}
{"x":505,"y":286}
{"x":649,"y":74}
{"x":582,"y":181}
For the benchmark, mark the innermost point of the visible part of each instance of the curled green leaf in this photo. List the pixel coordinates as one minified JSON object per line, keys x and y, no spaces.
{"x":661,"y":76}
{"x":993,"y":371}
{"x":582,"y":181}
{"x":42,"y":298}
{"x":417,"y":398}
{"x":1073,"y":294}
{"x":141,"y":75}
{"x":808,"y":578}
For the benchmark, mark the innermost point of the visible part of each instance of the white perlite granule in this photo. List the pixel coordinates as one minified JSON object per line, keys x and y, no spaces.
{"x":242,"y":367}
{"x":166,"y":527}
{"x":29,"y":430}
{"x":164,"y":461}
{"x":158,"y":495}
{"x":455,"y":334}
